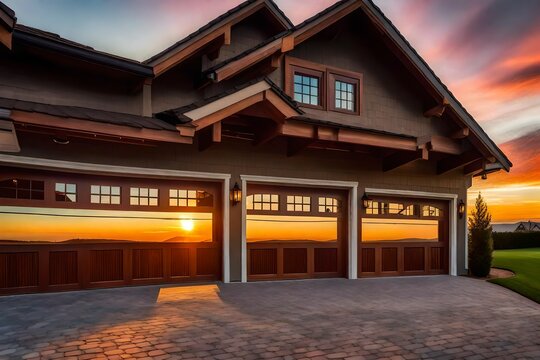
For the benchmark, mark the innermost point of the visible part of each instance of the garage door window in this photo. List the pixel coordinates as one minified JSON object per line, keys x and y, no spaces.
{"x":266,"y":202}
{"x":271,"y":228}
{"x":400,"y":230}
{"x":32,"y":224}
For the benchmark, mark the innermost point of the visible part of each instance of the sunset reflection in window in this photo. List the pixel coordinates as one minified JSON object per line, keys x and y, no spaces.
{"x":399,"y":230}
{"x":291,"y":228}
{"x":29,"y":224}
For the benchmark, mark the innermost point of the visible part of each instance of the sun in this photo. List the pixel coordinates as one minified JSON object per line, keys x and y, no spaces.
{"x":187,"y":225}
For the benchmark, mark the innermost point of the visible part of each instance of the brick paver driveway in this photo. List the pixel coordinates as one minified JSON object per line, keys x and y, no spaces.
{"x":423,"y":317}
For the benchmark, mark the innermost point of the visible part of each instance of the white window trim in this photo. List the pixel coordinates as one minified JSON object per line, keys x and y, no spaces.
{"x":152,"y":173}
{"x":452,"y":198}
{"x":352,"y":186}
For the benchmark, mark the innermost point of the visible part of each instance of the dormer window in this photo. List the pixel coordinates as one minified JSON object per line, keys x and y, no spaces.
{"x":345,"y":93}
{"x":321,"y":87}
{"x":306,"y":89}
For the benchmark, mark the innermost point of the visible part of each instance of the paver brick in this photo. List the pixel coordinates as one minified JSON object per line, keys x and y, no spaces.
{"x":402,"y":318}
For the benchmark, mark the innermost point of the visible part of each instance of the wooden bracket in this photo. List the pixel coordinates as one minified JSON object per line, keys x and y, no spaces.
{"x":438,"y":110}
{"x":457,"y":161}
{"x":402,"y":158}
{"x":296,"y":145}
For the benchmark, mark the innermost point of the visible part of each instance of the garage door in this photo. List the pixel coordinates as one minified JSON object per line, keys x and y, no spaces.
{"x":66,"y":231}
{"x":403,"y":237}
{"x":295,"y":233}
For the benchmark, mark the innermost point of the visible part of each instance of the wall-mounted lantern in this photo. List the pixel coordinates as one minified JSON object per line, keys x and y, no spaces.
{"x":461,"y":208}
{"x":236,"y":194}
{"x":365,"y":201}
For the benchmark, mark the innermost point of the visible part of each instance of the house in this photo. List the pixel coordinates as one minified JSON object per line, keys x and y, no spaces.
{"x":251,"y":150}
{"x":528,"y":226}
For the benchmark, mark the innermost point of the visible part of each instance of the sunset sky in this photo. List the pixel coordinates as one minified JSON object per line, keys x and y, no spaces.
{"x":486,"y":51}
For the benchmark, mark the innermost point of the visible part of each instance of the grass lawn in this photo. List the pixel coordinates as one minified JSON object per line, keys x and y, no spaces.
{"x":525,"y":263}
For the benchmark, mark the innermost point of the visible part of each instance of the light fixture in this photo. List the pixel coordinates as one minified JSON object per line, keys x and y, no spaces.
{"x":236,"y":194}
{"x":365,"y":201}
{"x":461,"y":208}
{"x":484,"y":176}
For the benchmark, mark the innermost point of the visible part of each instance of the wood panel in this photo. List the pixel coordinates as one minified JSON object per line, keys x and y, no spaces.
{"x":147,"y":263}
{"x":106,"y":265}
{"x":389,"y":259}
{"x":263,"y":261}
{"x":367,"y":262}
{"x":207,"y":261}
{"x":180,"y":262}
{"x":63,"y":268}
{"x":413,"y":259}
{"x":295,"y":261}
{"x":18,"y":270}
{"x":438,"y":256}
{"x":326,"y":260}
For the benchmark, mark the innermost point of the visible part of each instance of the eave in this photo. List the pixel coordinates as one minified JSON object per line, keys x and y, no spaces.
{"x":312,"y":26}
{"x":33,"y":37}
{"x":216,"y":32}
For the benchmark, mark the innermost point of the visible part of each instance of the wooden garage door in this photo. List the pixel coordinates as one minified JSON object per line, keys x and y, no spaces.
{"x":295,"y":233}
{"x":403,"y":237}
{"x":64,"y":231}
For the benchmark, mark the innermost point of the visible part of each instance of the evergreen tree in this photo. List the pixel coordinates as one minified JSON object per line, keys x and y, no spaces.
{"x":480,"y":240}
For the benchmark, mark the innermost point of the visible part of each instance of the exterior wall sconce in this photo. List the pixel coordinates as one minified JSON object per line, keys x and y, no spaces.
{"x":365,"y":201}
{"x":236,"y":194}
{"x":461,"y":208}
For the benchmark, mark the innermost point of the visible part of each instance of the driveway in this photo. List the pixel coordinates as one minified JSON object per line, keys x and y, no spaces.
{"x":438,"y":317}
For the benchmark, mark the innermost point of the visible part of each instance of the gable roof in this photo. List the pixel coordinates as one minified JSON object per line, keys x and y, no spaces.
{"x":51,"y":41}
{"x":221,"y":23}
{"x":314,"y":25}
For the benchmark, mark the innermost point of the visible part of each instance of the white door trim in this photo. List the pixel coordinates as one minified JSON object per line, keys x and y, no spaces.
{"x":432,"y":195}
{"x":80,"y":167}
{"x":352,"y":186}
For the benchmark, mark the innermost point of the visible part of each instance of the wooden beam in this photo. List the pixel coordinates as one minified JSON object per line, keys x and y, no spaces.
{"x":189,"y":50}
{"x":5,"y":37}
{"x":457,"y":161}
{"x":227,"y":111}
{"x":475,"y":167}
{"x":444,"y":145}
{"x":402,"y":158}
{"x":93,"y":127}
{"x":298,"y":129}
{"x":275,"y":60}
{"x":378,"y":140}
{"x":296,"y":145}
{"x":267,"y":133}
{"x":287,"y":43}
{"x":241,"y":64}
{"x":328,"y":134}
{"x":460,"y":134}
{"x":209,"y":136}
{"x":281,"y":105}
{"x":438,"y":110}
{"x":323,"y":22}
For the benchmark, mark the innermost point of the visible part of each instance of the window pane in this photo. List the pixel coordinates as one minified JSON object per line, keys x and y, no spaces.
{"x":290,"y":228}
{"x":60,"y":187}
{"x":399,"y":230}
{"x":77,"y":225}
{"x":71,"y":188}
{"x":105,"y":190}
{"x":115,"y":190}
{"x":94,"y":189}
{"x":134,"y":192}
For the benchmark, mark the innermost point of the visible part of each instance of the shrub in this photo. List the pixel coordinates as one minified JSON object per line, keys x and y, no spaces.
{"x":480,"y":240}
{"x":516,"y":240}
